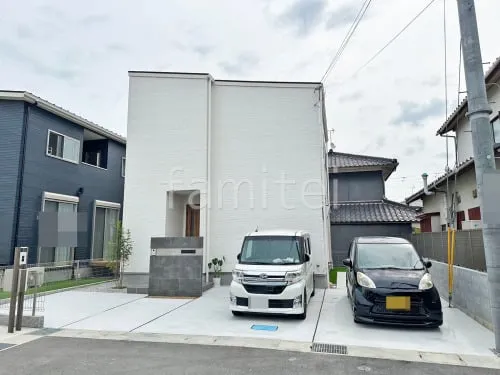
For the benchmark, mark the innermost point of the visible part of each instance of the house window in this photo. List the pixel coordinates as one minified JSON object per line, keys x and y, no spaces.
{"x":95,"y":150}
{"x":106,"y":215}
{"x":475,"y":213}
{"x":496,"y":129}
{"x":460,"y":219}
{"x":57,"y":203}
{"x":63,"y":147}
{"x":123,"y":167}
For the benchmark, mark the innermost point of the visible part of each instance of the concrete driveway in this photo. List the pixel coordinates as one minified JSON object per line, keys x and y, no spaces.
{"x":329,"y":321}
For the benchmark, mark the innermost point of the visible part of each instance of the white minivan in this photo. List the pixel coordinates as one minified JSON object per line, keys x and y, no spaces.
{"x":274,"y":274}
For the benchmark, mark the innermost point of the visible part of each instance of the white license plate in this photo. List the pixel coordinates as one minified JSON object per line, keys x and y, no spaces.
{"x":258,"y":302}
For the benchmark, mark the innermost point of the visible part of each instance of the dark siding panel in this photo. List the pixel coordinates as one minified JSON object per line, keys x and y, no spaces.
{"x":11,"y":126}
{"x":343,"y":234}
{"x":359,"y":186}
{"x":44,"y":173}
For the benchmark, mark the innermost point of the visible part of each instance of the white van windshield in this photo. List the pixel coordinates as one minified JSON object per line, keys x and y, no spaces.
{"x":271,"y":250}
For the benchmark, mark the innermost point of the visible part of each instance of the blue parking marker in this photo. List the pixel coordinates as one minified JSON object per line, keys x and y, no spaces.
{"x":258,"y":327}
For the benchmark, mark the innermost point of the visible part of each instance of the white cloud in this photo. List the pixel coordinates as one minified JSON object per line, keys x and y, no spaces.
{"x":77,"y":55}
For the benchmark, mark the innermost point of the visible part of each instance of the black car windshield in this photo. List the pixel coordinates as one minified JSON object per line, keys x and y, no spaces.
{"x":271,"y":250}
{"x":387,"y":255}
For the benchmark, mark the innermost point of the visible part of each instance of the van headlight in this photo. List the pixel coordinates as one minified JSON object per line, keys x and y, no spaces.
{"x":425,"y":282}
{"x":293,"y":277}
{"x":238,"y":276}
{"x":365,"y":281}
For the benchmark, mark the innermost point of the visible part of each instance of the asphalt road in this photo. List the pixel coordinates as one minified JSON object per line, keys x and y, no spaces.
{"x":51,"y":355}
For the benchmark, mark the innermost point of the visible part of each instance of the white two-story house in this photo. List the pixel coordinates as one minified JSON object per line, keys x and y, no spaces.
{"x":459,"y":184}
{"x":217,"y":159}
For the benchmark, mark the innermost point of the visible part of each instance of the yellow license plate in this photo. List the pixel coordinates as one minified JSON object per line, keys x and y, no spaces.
{"x":397,"y":303}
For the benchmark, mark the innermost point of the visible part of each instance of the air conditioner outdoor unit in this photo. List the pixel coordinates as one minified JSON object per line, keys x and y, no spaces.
{"x":33,"y":278}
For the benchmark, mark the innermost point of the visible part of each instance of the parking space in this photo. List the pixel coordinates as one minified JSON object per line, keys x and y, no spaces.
{"x":129,"y":316}
{"x":459,"y":334}
{"x":65,"y":308}
{"x":210,"y":315}
{"x":329,"y":321}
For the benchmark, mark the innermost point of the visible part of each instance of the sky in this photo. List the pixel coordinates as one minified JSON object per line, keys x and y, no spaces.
{"x":78,"y":54}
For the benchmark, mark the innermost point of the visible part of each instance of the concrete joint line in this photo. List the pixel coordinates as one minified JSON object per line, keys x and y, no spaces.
{"x":162,"y":315}
{"x":100,"y":312}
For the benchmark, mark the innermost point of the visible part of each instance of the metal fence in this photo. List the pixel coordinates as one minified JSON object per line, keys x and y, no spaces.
{"x":469,"y":247}
{"x":47,"y":278}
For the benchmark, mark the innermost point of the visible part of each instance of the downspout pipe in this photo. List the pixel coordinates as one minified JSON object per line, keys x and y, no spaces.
{"x":208,"y":189}
{"x":436,"y":190}
{"x":20,"y":183}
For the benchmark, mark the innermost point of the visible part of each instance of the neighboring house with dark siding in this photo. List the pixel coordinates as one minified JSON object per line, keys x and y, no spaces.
{"x":52,"y":160}
{"x":358,"y":203}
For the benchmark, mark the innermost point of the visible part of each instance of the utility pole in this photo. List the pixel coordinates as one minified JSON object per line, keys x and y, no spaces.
{"x":484,"y":160}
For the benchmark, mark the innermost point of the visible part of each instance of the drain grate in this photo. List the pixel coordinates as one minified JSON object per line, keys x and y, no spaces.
{"x":329,"y":348}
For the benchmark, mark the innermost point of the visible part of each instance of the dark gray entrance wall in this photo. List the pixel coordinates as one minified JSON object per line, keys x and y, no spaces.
{"x":11,"y":129}
{"x":343,"y":234}
{"x":44,"y":173}
{"x":358,"y":186}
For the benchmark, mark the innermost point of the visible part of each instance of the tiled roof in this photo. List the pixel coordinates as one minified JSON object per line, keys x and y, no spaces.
{"x":488,"y":77}
{"x":383,"y":211}
{"x":343,"y":160}
{"x":61,"y":112}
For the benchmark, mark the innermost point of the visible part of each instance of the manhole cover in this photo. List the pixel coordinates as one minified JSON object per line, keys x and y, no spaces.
{"x":329,"y":348}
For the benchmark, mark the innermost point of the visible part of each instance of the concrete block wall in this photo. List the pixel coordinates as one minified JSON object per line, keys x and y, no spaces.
{"x":176,"y":276}
{"x":470,"y":291}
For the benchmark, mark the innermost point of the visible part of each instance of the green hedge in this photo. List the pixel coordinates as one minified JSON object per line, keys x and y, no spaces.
{"x":333,"y":273}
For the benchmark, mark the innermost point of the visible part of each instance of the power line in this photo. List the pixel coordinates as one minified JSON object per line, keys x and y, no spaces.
{"x":394,"y":38}
{"x":347,"y":38}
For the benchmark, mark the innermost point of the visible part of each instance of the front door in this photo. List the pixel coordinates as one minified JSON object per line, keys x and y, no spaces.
{"x":192,"y":220}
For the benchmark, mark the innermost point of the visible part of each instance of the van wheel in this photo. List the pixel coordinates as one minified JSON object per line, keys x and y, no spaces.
{"x":304,"y":314}
{"x":236,"y":313}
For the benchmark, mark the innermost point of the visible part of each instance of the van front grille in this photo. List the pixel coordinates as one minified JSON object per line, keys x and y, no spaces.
{"x":264,"y":289}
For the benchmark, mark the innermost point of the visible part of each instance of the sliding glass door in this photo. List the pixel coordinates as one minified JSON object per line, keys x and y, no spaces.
{"x":105,"y":219}
{"x":60,"y":254}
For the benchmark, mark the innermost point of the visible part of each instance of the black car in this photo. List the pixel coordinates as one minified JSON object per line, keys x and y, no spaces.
{"x":389,"y":283}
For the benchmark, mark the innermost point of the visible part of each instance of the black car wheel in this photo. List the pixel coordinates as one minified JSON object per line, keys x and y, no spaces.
{"x":236,"y":313}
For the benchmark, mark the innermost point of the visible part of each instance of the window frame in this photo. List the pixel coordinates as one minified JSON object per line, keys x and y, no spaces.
{"x":105,"y":205}
{"x":59,"y":198}
{"x":49,"y":131}
{"x":492,"y":121}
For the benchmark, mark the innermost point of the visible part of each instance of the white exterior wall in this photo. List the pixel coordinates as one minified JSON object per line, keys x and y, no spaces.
{"x":435,"y":203}
{"x":166,"y":150}
{"x":260,"y":134}
{"x":225,"y":133}
{"x":463,"y":133}
{"x":466,"y":183}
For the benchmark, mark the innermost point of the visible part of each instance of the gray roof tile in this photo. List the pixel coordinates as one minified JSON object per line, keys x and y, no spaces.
{"x":343,"y":160}
{"x":384,"y":211}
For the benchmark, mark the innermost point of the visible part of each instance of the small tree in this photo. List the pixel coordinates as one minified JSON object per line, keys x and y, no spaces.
{"x":121,"y":249}
{"x":217,"y":263}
